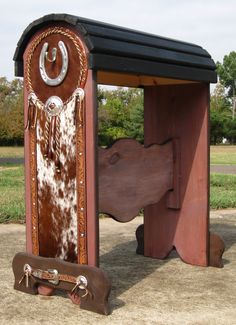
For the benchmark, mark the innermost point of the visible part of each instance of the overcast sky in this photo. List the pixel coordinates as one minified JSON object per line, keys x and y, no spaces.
{"x":209,"y":23}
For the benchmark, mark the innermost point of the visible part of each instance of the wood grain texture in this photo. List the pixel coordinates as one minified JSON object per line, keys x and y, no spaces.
{"x":180,"y":111}
{"x":131,"y":177}
{"x":134,"y":80}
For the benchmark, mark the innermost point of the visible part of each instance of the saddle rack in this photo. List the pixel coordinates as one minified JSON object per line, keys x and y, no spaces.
{"x":69,"y":180}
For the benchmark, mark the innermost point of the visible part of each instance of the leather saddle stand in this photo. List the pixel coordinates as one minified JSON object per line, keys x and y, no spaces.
{"x":91,"y":293}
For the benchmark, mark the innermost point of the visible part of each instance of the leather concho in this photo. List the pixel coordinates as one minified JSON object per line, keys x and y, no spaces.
{"x":55,"y":70}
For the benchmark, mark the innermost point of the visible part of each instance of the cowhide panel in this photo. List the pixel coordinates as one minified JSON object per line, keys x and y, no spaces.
{"x":57,"y":199}
{"x":56,"y":211}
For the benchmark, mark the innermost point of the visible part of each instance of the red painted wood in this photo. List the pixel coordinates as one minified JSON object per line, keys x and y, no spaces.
{"x":91,"y":169}
{"x":180,"y":111}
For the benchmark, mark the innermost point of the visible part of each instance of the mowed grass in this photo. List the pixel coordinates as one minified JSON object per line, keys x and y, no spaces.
{"x":222,"y":191}
{"x":223,"y":155}
{"x":11,"y":152}
{"x":12,"y":205}
{"x":219,"y":155}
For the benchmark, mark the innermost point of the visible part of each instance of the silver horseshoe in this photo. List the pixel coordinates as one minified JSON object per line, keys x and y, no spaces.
{"x":44,"y":54}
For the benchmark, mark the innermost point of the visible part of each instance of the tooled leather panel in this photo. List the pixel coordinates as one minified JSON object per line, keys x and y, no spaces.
{"x":77,"y":67}
{"x":56,"y":197}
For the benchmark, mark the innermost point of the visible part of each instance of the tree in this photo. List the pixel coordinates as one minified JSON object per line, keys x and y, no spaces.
{"x":11,"y":112}
{"x":227,"y":76}
{"x":120,"y":114}
{"x":219,"y":100}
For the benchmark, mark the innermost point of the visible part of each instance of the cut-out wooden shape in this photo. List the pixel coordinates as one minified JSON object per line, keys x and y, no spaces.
{"x":132,"y":176}
{"x":217,"y":248}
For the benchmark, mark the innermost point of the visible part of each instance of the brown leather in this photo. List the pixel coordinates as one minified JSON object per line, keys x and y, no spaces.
{"x":70,"y":83}
{"x":46,"y":231}
{"x":99,"y":285}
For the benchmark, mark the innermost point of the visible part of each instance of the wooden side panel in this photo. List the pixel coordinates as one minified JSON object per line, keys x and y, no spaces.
{"x":131,"y":177}
{"x":180,"y":111}
{"x":91,"y":169}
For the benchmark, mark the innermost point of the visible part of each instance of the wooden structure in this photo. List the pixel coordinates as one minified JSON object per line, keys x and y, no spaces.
{"x":69,"y":180}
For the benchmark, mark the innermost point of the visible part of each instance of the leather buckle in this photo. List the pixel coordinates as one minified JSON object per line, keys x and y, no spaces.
{"x":55,"y":279}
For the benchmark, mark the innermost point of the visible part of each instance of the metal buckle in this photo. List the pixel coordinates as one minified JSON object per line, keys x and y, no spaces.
{"x":55,"y":279}
{"x":82,"y":282}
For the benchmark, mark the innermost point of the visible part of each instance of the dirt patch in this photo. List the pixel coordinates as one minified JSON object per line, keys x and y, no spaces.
{"x":144,"y":290}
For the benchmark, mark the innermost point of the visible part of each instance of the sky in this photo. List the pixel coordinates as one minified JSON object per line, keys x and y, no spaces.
{"x":209,"y":23}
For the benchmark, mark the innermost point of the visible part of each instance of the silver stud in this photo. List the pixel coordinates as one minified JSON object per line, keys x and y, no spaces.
{"x":81,"y":209}
{"x":81,"y":182}
{"x":82,"y":235}
{"x":80,"y":154}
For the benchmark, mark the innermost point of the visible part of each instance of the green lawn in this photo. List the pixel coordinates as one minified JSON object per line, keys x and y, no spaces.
{"x":220,"y":155}
{"x":222,"y":191}
{"x":222,"y":194}
{"x":11,"y":152}
{"x":12,"y":207}
{"x":223,"y":155}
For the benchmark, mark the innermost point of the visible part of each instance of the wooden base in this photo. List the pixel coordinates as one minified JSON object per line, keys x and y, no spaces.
{"x":216,"y":248}
{"x":93,"y":298}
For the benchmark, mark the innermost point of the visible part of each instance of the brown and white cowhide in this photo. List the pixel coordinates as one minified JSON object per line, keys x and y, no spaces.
{"x":57,"y":197}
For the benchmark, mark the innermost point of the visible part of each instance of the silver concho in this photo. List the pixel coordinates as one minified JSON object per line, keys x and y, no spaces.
{"x":53,"y":106}
{"x":44,"y":55}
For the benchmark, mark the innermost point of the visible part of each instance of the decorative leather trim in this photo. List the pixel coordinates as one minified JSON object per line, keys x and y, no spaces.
{"x":81,"y":188}
{"x":34,"y":190}
{"x":79,"y":47}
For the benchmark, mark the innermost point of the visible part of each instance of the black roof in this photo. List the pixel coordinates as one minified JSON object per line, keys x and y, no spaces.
{"x":118,"y":49}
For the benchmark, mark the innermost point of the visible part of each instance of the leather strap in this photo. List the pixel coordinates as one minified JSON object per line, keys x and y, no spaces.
{"x":47,"y":275}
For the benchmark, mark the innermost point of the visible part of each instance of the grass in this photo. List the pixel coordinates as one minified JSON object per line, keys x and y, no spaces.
{"x":11,"y":152}
{"x":222,"y":194}
{"x":220,"y":155}
{"x":12,"y":208}
{"x":222,"y":191}
{"x":223,"y":155}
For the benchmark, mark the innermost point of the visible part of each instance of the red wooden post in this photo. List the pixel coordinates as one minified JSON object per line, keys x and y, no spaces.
{"x":91,"y":169}
{"x":180,"y":111}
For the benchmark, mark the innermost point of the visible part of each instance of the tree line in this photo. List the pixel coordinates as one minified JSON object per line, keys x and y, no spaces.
{"x":120,"y":110}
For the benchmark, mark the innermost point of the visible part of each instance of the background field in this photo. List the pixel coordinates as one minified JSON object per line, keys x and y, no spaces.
{"x":223,"y":155}
{"x":11,"y":152}
{"x":222,"y":187}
